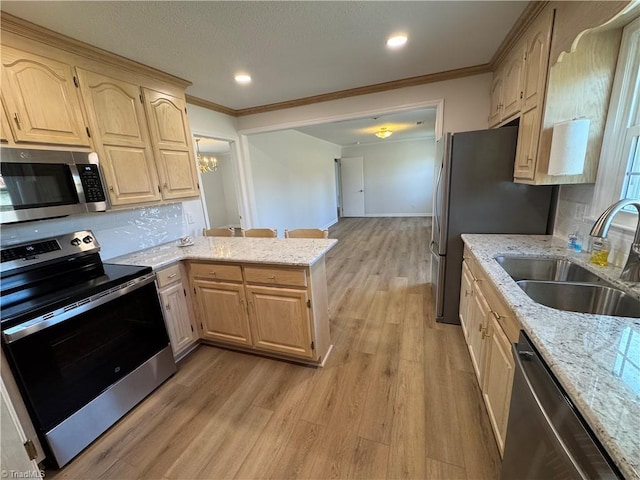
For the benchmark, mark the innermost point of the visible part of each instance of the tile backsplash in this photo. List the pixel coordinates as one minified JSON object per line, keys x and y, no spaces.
{"x":574,"y":212}
{"x":118,"y":232}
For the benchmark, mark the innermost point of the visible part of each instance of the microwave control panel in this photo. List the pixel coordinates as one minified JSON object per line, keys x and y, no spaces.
{"x":91,"y":183}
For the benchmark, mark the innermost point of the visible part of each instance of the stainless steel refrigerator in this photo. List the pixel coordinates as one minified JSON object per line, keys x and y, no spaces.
{"x":475,"y":193}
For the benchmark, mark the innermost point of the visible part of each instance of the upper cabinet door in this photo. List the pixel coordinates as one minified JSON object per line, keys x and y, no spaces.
{"x":512,"y":91}
{"x":118,"y":123}
{"x":172,"y":144}
{"x":5,"y":130}
{"x":496,"y":98}
{"x":41,"y":100}
{"x":536,"y":62}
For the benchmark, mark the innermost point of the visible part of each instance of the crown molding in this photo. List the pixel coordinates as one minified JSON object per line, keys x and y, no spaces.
{"x":23,"y":28}
{"x":201,"y":102}
{"x":530,"y":13}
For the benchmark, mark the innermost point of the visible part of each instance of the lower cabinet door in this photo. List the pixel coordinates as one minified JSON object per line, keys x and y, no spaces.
{"x":280,"y":320}
{"x":466,"y":293}
{"x":498,"y":380}
{"x":177,"y":319}
{"x":478,"y":311}
{"x":223,"y":312}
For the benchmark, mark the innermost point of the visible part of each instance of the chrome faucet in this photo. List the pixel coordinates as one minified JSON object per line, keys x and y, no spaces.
{"x":631,"y":271}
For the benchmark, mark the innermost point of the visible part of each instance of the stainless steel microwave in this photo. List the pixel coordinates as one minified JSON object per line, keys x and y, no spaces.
{"x":38,"y":184}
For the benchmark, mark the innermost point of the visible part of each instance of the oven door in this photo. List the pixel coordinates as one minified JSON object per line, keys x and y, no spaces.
{"x":64,"y":366}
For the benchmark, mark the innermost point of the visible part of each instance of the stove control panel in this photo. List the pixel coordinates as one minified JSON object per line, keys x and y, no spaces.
{"x":34,"y":252}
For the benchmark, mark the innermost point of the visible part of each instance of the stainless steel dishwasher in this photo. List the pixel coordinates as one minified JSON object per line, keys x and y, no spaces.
{"x":546,"y":437}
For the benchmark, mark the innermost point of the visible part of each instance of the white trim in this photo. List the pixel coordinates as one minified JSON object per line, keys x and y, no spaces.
{"x":385,"y":215}
{"x":330,"y":224}
{"x":613,"y":162}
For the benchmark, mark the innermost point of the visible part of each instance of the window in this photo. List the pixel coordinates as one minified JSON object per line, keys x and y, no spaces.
{"x":619,"y":170}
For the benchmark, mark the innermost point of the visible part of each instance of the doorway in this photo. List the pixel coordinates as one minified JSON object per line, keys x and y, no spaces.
{"x":219,"y":182}
{"x":352,"y":186}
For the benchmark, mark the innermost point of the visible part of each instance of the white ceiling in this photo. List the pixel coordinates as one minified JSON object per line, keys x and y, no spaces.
{"x":292,"y":49}
{"x":410,"y":125}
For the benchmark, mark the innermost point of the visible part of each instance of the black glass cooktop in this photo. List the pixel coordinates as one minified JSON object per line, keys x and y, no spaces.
{"x":30,"y":294}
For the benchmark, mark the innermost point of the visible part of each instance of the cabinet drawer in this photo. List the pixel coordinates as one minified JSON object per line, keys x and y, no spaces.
{"x":505,"y":318}
{"x":295,"y":277}
{"x":168,"y":275}
{"x":216,"y":271}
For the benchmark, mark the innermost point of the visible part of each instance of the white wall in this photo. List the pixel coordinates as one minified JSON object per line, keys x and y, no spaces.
{"x":466,"y":106}
{"x":293,"y":179}
{"x":220,"y":193}
{"x":398,"y":177}
{"x":207,"y":123}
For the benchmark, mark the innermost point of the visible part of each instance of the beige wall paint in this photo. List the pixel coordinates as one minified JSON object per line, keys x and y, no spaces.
{"x":466,"y":106}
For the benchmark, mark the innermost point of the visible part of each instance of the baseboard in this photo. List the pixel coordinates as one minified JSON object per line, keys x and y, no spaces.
{"x":330,"y":224}
{"x":383,"y":215}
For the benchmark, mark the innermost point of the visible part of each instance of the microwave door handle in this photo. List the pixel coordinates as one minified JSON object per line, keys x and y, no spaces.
{"x":540,"y":409}
{"x":75,"y":175}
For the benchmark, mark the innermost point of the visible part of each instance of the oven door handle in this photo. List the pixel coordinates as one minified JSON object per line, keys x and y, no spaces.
{"x":60,"y":315}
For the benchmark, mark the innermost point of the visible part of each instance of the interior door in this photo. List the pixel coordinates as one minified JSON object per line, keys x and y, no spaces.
{"x":352,"y":174}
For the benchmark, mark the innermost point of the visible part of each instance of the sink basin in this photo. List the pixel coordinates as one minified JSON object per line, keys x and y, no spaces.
{"x":553,"y":269}
{"x":582,"y":297}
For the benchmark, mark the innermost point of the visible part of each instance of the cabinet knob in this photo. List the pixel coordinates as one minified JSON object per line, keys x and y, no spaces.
{"x":480,"y":327}
{"x":213,"y":274}
{"x":167,"y":306}
{"x":111,"y":188}
{"x":272,"y":277}
{"x":485,"y":333}
{"x":16,"y":118}
{"x":172,"y":275}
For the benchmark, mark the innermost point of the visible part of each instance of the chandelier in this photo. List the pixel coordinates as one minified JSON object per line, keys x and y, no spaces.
{"x":383,"y":133}
{"x":205,"y":163}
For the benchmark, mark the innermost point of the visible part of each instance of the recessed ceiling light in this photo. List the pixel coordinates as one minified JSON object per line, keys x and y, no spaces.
{"x":243,"y":78}
{"x":396,"y":41}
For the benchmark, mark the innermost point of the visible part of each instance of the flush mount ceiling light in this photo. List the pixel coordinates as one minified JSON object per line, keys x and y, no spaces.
{"x":396,"y":41}
{"x":384,"y":133}
{"x":206,"y":164}
{"x":243,"y":78}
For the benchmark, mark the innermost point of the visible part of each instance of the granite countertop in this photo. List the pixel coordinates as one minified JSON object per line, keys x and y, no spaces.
{"x":275,"y":251}
{"x":596,"y":358}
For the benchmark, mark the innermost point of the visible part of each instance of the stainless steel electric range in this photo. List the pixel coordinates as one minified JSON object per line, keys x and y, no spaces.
{"x":85,"y":340}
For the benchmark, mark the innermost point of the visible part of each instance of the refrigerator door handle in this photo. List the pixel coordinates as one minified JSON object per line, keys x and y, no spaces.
{"x":433,"y":251}
{"x":437,"y":196}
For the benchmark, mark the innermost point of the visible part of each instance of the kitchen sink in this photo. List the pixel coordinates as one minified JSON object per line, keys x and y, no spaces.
{"x":549,"y":269}
{"x":582,"y":297}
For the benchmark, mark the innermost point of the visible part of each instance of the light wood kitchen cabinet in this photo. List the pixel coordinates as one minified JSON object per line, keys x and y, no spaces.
{"x":527,"y":147}
{"x":272,"y":309}
{"x":506,"y":89}
{"x":569,"y":52}
{"x":221,"y":303}
{"x":171,"y":139}
{"x":478,"y":317}
{"x":512,"y":90}
{"x":5,"y":131}
{"x":176,"y":307}
{"x":58,"y":92}
{"x":466,"y":294}
{"x":498,"y":380}
{"x":497,"y":85}
{"x":536,"y":61}
{"x":41,"y":99}
{"x":119,"y":126}
{"x":492,"y":329}
{"x":279,"y":319}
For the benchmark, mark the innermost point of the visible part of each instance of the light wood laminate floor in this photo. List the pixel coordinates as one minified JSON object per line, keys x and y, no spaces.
{"x":397,"y":398}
